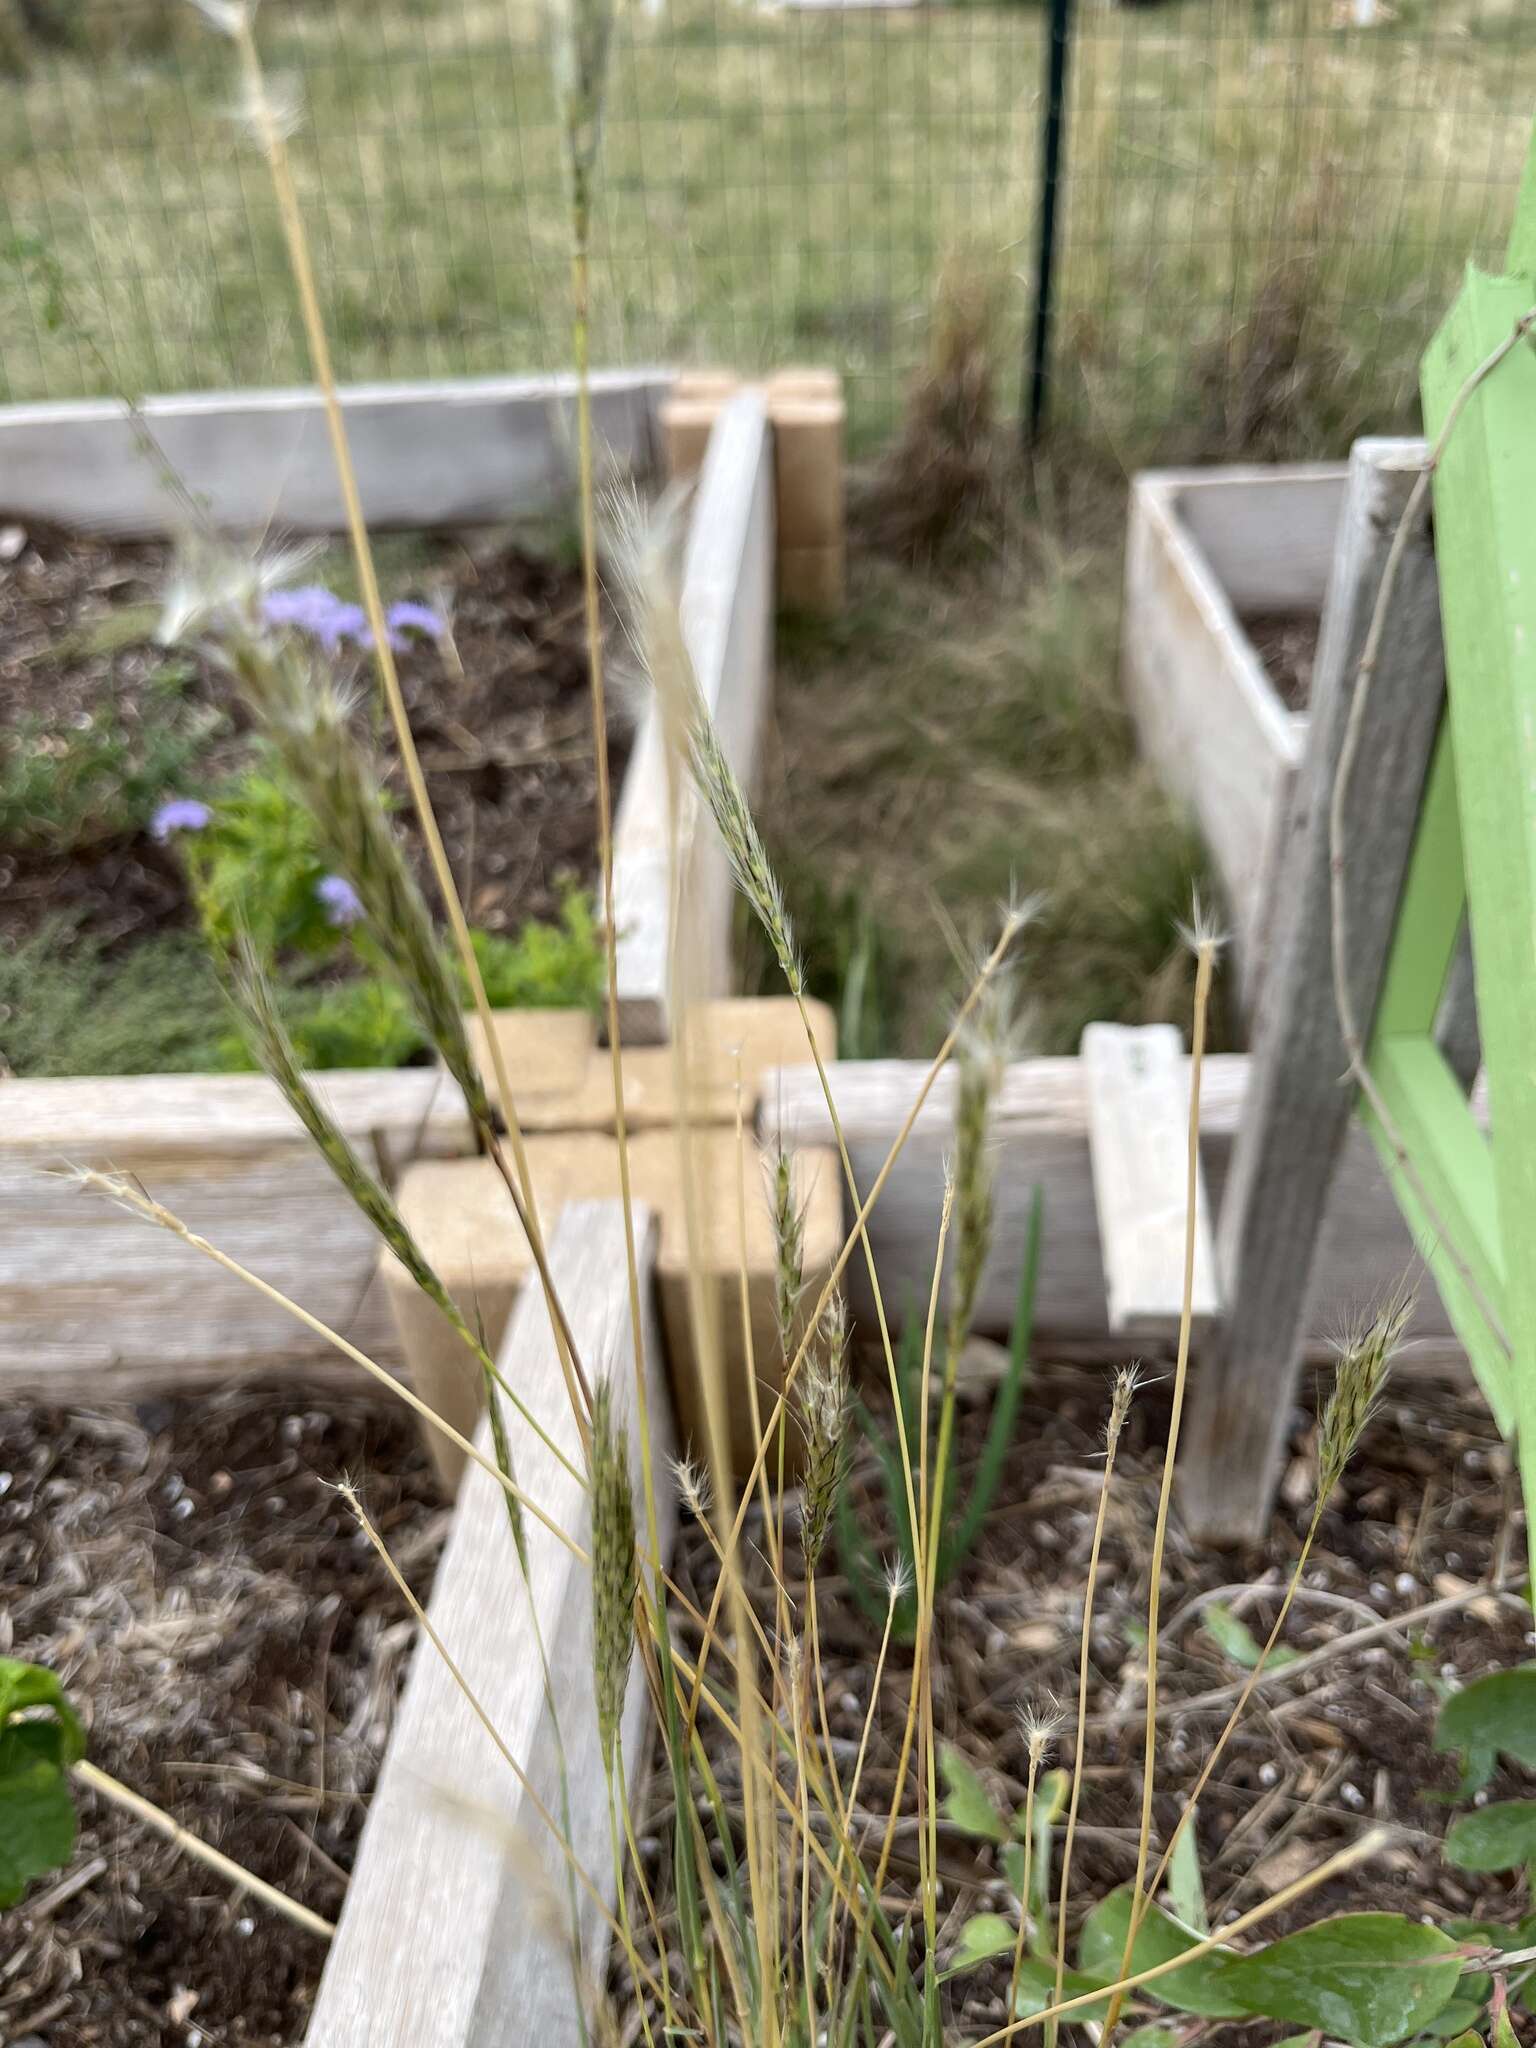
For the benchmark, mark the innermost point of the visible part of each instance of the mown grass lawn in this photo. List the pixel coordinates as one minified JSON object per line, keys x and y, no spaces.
{"x":776,"y":186}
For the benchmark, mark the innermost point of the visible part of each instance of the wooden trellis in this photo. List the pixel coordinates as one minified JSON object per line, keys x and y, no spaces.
{"x":1470,"y":1198}
{"x":1440,"y":807}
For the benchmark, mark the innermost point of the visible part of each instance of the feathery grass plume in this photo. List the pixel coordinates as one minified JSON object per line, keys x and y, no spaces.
{"x":693,"y":1487}
{"x":788,"y":1219}
{"x":614,"y":1568}
{"x":1364,"y":1360}
{"x":1202,"y":933}
{"x":1038,"y":1729}
{"x":824,"y":1421}
{"x":215,"y":598}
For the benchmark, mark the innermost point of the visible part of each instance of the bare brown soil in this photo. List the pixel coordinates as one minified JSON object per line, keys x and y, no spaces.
{"x":507,"y":746}
{"x":236,"y":1649}
{"x":1286,"y":644}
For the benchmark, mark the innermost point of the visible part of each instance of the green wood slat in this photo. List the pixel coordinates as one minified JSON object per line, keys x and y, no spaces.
{"x":1485,"y":528}
{"x":1453,"y":1165}
{"x":1522,"y":237}
{"x":1430,"y":914}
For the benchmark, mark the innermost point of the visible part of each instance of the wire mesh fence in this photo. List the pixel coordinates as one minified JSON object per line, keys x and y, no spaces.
{"x":1266,"y":201}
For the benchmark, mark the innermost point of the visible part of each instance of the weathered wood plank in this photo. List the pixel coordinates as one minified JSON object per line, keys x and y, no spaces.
{"x":449,"y":1934}
{"x":1266,"y":530}
{"x":1136,"y":1086}
{"x":1277,"y":1195}
{"x":1207,"y":716}
{"x":727,"y":606}
{"x":1041,"y":1134}
{"x":100,"y":1306}
{"x":457,"y":452}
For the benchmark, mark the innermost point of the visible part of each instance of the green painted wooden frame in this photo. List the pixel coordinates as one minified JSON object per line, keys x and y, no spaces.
{"x":1471,"y":1201}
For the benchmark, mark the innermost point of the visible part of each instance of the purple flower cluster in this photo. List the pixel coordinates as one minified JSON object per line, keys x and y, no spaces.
{"x":341,"y":902}
{"x":178,"y":814}
{"x":334,"y":622}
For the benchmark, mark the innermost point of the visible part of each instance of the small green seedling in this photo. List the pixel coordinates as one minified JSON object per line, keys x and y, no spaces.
{"x":40,"y":1737}
{"x":1368,"y":1979}
{"x":970,"y":1807}
{"x":1236,"y":1639}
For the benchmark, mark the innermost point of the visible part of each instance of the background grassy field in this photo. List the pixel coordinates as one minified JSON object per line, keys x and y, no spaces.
{"x":1258,"y":198}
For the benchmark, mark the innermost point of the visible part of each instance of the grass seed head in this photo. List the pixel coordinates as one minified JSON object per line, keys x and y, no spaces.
{"x":1364,"y":1360}
{"x":1127,"y":1380}
{"x":614,"y":1568}
{"x":645,"y":549}
{"x":788,"y":1219}
{"x":824,"y":1421}
{"x":581,"y":32}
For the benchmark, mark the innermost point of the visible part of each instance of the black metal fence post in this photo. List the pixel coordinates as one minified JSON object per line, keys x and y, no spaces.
{"x":1058,"y":49}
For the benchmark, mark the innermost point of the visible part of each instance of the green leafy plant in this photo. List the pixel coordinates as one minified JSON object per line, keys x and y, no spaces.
{"x":1369,"y":1979}
{"x":256,"y":866}
{"x":1501,"y":1837}
{"x":1024,"y":1843}
{"x":1492,"y":1717}
{"x":364,"y":1022}
{"x":40,"y":1737}
{"x":547,"y":966}
{"x":963,"y":1516}
{"x":68,"y":787}
{"x":69,"y":1007}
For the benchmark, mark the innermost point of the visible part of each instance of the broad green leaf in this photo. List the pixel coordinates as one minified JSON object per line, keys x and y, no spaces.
{"x":966,"y":1802}
{"x":1501,"y":1837}
{"x":37,"y":1814}
{"x":1037,"y":1990}
{"x":24,"y":1686}
{"x":1491,"y":1716}
{"x":1185,"y":1887}
{"x":1503,"y":2034}
{"x":1013,"y":1868}
{"x":1369,"y":1978}
{"x":1156,"y":2034}
{"x":988,"y":1934}
{"x":1231,"y":1634}
{"x":1198,"y":1988}
{"x":1457,"y":2024}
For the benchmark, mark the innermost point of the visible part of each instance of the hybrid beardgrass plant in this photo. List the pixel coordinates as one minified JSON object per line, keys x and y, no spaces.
{"x":781,"y":1932}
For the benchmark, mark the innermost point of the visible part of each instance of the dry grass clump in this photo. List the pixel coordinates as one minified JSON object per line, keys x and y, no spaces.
{"x":941,"y":490}
{"x":949,"y":739}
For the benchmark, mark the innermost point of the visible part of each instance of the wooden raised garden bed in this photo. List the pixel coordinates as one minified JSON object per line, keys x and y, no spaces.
{"x":1227,"y":570}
